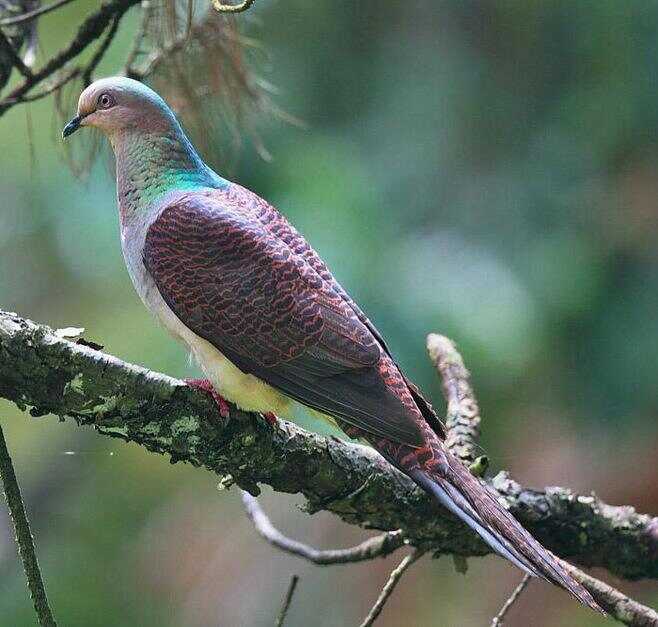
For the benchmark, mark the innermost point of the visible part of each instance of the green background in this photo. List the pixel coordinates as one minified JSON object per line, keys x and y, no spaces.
{"x":483,"y":170}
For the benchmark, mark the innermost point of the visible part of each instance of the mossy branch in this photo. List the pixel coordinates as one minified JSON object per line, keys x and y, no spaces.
{"x":45,"y":373}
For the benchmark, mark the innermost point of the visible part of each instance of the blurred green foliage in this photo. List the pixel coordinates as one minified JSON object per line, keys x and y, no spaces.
{"x":483,"y":170}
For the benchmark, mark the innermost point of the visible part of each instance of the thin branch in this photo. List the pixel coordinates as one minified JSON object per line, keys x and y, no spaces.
{"x":218,"y":5}
{"x":392,"y":582}
{"x":285,"y":606}
{"x":66,"y":76}
{"x":615,"y":603}
{"x":28,"y":17}
{"x":463,"y":415}
{"x":102,"y":49}
{"x":140,"y":36}
{"x":90,"y":30}
{"x":379,"y":546}
{"x":24,"y":538}
{"x":516,"y":593}
{"x":16,"y":60}
{"x":156,"y":57}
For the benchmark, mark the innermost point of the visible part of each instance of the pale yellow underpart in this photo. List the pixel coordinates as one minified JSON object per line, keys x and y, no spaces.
{"x":244,"y":390}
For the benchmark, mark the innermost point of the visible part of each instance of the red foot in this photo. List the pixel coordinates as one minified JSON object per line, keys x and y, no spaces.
{"x":205,"y":386}
{"x":271,"y":418}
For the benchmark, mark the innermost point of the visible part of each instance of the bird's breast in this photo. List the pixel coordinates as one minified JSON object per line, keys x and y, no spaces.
{"x":244,"y":390}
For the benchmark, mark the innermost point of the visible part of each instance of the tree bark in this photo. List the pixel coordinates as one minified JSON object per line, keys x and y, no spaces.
{"x":43,"y":372}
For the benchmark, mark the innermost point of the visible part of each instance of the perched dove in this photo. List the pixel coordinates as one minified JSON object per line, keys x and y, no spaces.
{"x":269,"y":325}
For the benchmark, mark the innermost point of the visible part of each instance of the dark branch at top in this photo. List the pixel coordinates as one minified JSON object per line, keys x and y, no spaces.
{"x":90,"y":30}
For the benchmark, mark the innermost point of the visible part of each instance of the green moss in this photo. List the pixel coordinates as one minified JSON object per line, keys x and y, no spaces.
{"x":249,"y":439}
{"x":186,"y":424}
{"x":75,"y":385}
{"x":151,"y":428}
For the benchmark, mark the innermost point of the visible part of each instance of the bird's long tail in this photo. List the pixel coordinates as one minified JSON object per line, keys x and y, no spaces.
{"x":474,"y":503}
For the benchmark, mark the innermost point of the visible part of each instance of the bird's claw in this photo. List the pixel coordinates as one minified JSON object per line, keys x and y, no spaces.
{"x":271,"y":418}
{"x":204,"y":385}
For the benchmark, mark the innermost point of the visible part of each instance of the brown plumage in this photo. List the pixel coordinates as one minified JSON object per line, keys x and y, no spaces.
{"x":226,"y":273}
{"x":239,"y":276}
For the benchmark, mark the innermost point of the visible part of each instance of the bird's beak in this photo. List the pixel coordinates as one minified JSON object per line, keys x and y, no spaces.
{"x":72,"y":126}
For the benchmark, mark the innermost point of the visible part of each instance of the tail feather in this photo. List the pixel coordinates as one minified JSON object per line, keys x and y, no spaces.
{"x":470,"y":500}
{"x":453,"y":501}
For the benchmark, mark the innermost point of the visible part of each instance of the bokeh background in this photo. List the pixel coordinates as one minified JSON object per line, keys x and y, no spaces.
{"x":485,"y":170}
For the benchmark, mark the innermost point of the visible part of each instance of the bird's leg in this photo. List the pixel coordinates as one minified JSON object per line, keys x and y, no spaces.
{"x":206,"y":386}
{"x":271,"y":418}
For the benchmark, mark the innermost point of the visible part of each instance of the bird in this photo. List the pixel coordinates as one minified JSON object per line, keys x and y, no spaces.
{"x":224,"y":272}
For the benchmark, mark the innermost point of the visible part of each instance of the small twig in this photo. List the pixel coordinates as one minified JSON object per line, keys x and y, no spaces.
{"x":392,"y":582}
{"x":615,"y":603}
{"x":463,"y":415}
{"x":218,"y":5}
{"x":136,"y":48}
{"x":54,"y":86}
{"x":16,"y":60}
{"x":286,"y":601}
{"x":516,"y":593}
{"x":24,"y":538}
{"x":379,"y":546}
{"x":27,"y":17}
{"x":102,"y":49}
{"x":158,"y":56}
{"x":189,"y":20}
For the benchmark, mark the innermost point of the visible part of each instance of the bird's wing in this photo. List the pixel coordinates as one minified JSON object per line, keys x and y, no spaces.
{"x":244,"y":290}
{"x":279,"y":226}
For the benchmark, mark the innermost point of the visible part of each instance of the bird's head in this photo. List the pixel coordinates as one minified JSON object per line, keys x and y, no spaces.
{"x":116,"y":104}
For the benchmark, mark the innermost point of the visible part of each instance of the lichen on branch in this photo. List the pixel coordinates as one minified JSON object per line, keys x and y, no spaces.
{"x":45,"y":373}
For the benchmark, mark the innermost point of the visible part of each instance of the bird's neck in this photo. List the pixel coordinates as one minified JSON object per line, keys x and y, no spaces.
{"x":150,"y":165}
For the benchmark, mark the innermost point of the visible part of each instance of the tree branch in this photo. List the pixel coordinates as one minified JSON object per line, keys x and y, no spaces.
{"x":45,"y":373}
{"x":379,"y":546}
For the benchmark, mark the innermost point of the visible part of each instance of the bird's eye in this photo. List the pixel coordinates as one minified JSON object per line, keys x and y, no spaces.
{"x":105,"y":101}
